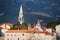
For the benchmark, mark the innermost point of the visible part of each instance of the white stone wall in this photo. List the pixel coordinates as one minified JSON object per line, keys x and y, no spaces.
{"x":27,"y":36}
{"x":48,"y":37}
{"x":58,"y":29}
{"x":35,"y":36}
{"x":5,"y":26}
{"x":16,"y":36}
{"x":53,"y":37}
{"x":3,"y":30}
{"x":49,"y":30}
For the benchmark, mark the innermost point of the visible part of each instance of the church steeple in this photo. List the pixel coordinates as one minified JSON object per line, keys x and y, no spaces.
{"x":20,"y":18}
{"x":38,"y":25}
{"x":38,"y":22}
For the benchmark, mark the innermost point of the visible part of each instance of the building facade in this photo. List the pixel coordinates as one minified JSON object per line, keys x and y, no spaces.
{"x":31,"y":34}
{"x":58,"y":30}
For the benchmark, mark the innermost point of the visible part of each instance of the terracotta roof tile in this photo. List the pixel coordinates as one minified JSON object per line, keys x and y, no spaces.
{"x":40,"y":32}
{"x":48,"y":33}
{"x":0,"y":24}
{"x":8,"y":24}
{"x":16,"y":31}
{"x":20,"y":31}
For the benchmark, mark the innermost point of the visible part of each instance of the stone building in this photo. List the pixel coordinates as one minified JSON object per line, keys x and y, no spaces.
{"x":58,"y":30}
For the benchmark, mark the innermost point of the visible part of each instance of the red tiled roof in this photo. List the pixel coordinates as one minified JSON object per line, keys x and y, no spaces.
{"x":28,"y":31}
{"x":21,"y":31}
{"x":40,"y":32}
{"x":48,"y":33}
{"x":0,"y":25}
{"x":7,"y":24}
{"x":16,"y":31}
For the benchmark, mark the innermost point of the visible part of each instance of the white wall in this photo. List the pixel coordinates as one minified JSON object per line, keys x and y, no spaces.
{"x":15,"y":36}
{"x":5,"y":26}
{"x":49,"y":30}
{"x":27,"y":36}
{"x":58,"y":29}
{"x":49,"y":37}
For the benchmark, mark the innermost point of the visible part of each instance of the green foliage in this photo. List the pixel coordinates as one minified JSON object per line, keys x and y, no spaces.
{"x":19,"y":26}
{"x":32,"y":25}
{"x":52,"y":24}
{"x":25,"y":26}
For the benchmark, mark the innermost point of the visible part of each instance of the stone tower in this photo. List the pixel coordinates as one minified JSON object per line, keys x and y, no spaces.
{"x":20,"y":18}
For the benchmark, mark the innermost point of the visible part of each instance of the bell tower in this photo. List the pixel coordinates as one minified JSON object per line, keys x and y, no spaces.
{"x":20,"y":18}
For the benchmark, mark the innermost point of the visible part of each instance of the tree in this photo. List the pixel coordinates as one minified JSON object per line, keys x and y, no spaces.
{"x":19,"y":26}
{"x":52,"y":24}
